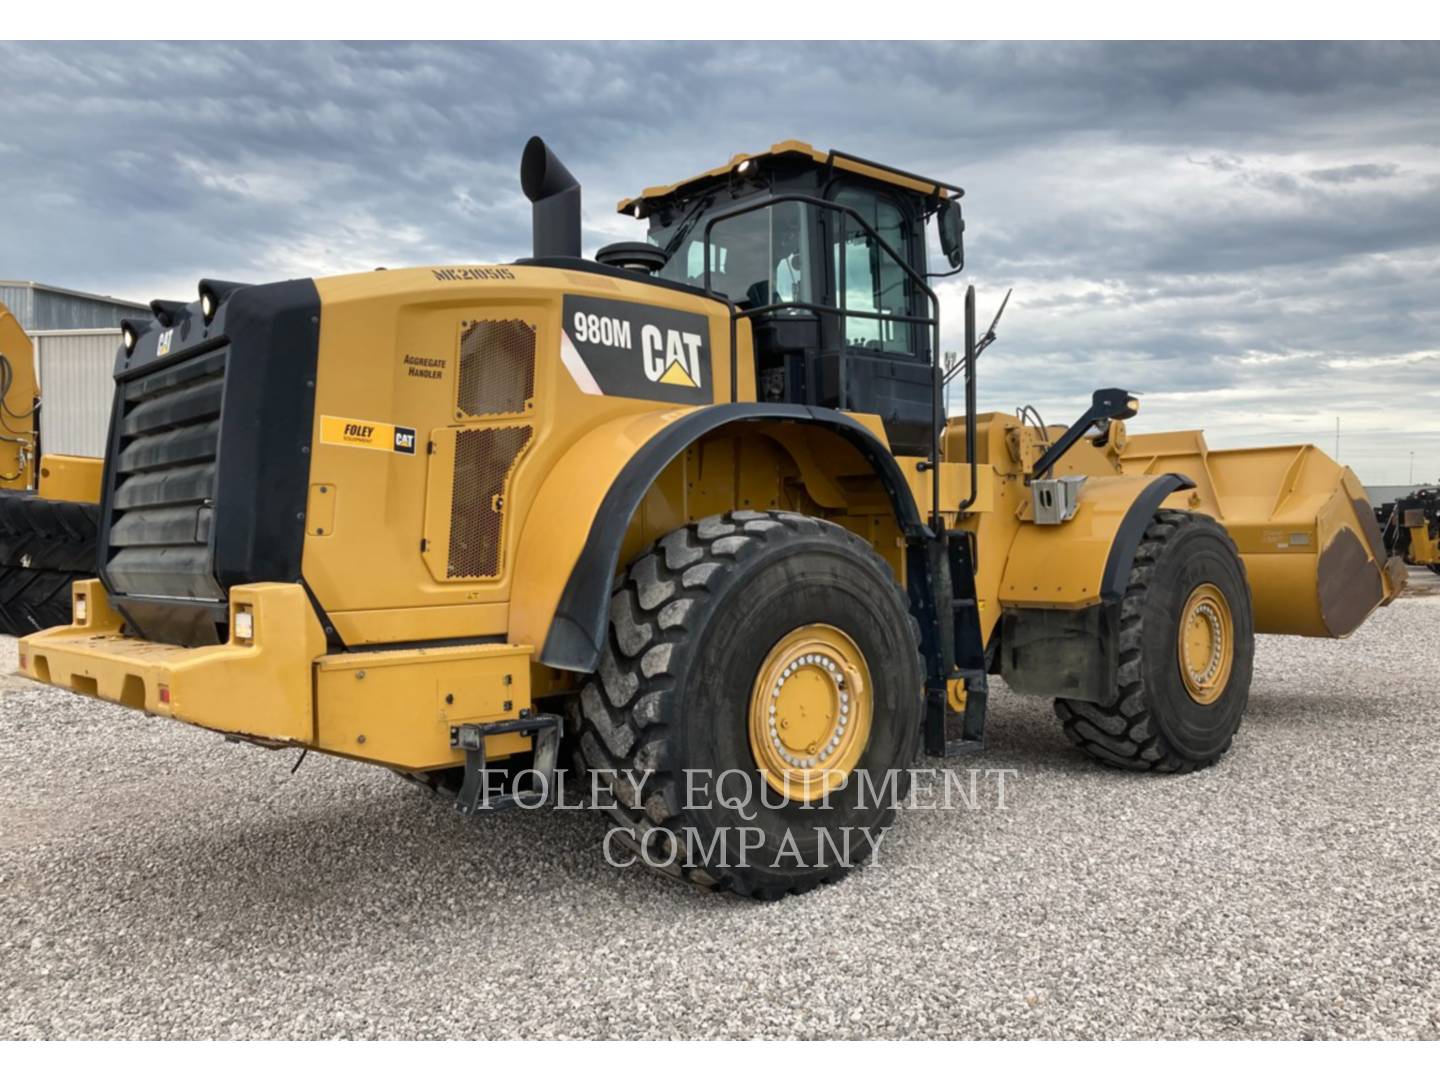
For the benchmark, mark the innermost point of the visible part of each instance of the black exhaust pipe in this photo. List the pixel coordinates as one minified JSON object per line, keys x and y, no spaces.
{"x":556,"y":195}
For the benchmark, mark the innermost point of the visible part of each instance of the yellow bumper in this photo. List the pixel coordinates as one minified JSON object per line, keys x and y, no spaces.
{"x":394,"y":707}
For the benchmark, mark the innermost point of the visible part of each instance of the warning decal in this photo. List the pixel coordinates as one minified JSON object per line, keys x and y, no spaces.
{"x":367,"y":434}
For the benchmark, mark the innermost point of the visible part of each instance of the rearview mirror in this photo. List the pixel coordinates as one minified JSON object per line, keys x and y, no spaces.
{"x":952,"y":232}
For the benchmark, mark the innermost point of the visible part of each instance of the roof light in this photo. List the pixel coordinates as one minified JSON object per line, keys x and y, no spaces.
{"x":743,"y":169}
{"x":131,"y":331}
{"x":213,"y":293}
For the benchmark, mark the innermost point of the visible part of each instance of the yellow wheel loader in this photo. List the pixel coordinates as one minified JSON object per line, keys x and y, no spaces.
{"x":49,"y":507}
{"x":692,"y":509}
{"x":1411,"y":527}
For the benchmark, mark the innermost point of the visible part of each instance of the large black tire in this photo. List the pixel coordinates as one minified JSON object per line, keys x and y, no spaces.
{"x":1155,"y":724}
{"x":691,"y":622}
{"x":45,"y":545}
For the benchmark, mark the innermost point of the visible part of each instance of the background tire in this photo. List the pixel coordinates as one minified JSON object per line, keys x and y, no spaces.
{"x":1156,"y":724}
{"x":692,"y":623}
{"x":45,"y":545}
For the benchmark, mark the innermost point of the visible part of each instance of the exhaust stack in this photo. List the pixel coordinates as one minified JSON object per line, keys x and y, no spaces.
{"x":556,"y":197}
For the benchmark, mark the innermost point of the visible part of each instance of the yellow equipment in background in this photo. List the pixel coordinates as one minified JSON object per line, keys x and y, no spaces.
{"x":48,"y":508}
{"x":691,"y":506}
{"x":1410,"y":527}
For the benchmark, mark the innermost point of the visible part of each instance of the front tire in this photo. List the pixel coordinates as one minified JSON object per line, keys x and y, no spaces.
{"x":701,"y":626}
{"x":1187,"y":650}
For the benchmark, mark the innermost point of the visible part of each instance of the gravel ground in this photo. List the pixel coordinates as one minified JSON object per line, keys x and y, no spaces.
{"x":156,"y":881}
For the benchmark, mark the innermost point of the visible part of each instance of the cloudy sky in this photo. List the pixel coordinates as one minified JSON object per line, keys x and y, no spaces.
{"x":1247,"y":234}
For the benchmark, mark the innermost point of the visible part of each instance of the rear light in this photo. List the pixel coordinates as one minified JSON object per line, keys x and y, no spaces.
{"x":244,"y":624}
{"x":164,"y":695}
{"x":24,"y":661}
{"x":82,"y":610}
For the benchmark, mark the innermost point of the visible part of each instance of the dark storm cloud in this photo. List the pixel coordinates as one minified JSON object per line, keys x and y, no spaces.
{"x":1248,"y":232}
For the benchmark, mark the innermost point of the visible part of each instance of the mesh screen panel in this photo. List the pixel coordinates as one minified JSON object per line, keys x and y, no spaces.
{"x":484,"y":458}
{"x":497,"y":367}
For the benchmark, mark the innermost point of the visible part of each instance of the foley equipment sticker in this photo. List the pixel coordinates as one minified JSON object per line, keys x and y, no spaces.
{"x":637,"y":350}
{"x":368,"y":434}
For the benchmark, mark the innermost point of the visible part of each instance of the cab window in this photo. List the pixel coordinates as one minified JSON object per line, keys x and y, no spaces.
{"x":756,"y":259}
{"x":873,"y":280}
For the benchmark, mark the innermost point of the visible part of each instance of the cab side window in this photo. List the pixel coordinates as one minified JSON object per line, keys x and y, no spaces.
{"x":873,"y":280}
{"x":757,"y":258}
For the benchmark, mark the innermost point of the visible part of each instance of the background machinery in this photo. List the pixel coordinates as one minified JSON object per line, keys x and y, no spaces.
{"x":1411,"y":527}
{"x":694,"y":505}
{"x":48,"y":506}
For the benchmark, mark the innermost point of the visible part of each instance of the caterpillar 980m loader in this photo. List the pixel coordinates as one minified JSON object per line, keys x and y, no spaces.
{"x":49,"y":507}
{"x":693,"y":506}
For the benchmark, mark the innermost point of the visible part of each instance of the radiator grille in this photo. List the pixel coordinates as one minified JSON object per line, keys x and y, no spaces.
{"x":484,"y":460}
{"x":497,"y":367}
{"x":164,"y":481}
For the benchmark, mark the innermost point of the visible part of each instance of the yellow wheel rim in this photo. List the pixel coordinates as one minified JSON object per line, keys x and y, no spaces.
{"x":1207,"y":644}
{"x":810,"y":711}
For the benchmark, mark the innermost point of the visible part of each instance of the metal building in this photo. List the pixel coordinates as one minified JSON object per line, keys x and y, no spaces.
{"x":44,"y":307}
{"x":74,"y":369}
{"x":75,"y":336}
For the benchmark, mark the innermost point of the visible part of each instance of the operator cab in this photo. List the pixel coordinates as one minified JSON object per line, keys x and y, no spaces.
{"x":826,"y":253}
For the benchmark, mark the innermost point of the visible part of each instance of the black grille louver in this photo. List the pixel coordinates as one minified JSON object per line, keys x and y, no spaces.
{"x":164,"y":477}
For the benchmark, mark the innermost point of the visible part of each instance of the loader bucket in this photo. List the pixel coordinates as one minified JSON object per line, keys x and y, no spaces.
{"x":1303,"y":524}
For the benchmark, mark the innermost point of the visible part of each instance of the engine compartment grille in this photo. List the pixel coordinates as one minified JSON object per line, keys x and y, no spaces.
{"x":163,"y":481}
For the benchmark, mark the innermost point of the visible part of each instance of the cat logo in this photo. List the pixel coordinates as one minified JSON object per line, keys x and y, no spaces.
{"x":671,"y":357}
{"x":162,"y":347}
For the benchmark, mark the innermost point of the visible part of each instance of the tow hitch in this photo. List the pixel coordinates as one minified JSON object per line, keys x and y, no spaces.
{"x":475,"y":792}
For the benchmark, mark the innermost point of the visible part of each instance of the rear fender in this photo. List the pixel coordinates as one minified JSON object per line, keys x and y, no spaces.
{"x":570,"y":545}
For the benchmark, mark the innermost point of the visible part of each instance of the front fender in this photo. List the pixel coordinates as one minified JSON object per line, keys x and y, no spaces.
{"x":1063,"y":584}
{"x":1088,"y":558}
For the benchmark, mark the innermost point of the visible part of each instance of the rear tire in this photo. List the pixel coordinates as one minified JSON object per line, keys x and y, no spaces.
{"x":45,"y":546}
{"x":694,"y":625}
{"x":1162,"y":721}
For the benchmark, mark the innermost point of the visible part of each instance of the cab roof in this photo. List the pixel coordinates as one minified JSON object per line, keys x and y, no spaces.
{"x":795,"y":148}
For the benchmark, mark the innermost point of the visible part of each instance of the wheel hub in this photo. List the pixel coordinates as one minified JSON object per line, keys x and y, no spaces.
{"x":810,"y":711}
{"x":1206,"y":643}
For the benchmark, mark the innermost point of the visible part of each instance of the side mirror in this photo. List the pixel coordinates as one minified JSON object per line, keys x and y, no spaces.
{"x":952,"y":232}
